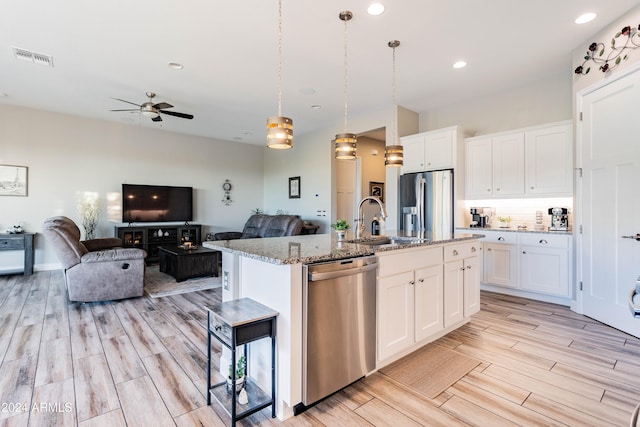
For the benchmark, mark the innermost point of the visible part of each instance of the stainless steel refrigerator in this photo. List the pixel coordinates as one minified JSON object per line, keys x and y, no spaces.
{"x":426,"y":203}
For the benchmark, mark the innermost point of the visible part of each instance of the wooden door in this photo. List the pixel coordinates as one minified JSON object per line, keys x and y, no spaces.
{"x":347,"y":193}
{"x":609,"y":200}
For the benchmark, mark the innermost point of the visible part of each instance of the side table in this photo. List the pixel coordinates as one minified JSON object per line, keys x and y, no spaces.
{"x":17,"y":242}
{"x":237,"y":323}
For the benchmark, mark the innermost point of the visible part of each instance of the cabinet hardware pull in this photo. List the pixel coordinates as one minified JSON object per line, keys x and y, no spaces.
{"x":501,"y":239}
{"x":468,"y":267}
{"x":497,"y":189}
{"x":532,"y":187}
{"x":543,"y":241}
{"x":473,"y":248}
{"x":421,"y":280}
{"x":523,"y":252}
{"x":488,"y":189}
{"x":462,"y":269}
{"x":488,"y":249}
{"x":455,"y":252}
{"x":411,"y":282}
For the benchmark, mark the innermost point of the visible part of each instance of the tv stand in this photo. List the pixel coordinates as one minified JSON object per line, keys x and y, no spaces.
{"x":149,"y":238}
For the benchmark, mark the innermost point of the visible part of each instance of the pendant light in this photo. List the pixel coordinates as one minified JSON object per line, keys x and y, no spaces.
{"x":345,"y":143}
{"x":279,"y":128}
{"x":394,"y":154}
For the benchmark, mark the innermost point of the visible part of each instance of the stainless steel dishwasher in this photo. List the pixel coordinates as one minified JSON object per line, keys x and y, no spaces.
{"x":339,"y":325}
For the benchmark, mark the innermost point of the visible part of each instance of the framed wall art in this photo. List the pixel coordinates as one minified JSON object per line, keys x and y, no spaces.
{"x":13,"y":180}
{"x":294,"y":187}
{"x":376,"y":189}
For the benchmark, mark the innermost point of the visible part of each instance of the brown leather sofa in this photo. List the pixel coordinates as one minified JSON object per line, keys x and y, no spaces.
{"x":98,"y":269}
{"x":262,"y":225}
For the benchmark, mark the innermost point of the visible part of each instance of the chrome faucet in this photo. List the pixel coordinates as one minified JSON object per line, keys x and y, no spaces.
{"x":383,"y":214}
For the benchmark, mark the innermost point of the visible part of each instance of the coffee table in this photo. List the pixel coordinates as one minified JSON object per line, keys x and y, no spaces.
{"x":185,"y":264}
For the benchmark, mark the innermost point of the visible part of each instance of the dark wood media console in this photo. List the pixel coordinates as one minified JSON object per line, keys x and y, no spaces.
{"x":149,"y":238}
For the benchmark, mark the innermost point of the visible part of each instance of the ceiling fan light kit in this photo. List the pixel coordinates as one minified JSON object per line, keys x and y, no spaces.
{"x":153,"y":111}
{"x":279,"y":128}
{"x":345,"y":143}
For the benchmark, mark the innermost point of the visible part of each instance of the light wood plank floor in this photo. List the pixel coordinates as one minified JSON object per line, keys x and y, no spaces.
{"x":141,"y":362}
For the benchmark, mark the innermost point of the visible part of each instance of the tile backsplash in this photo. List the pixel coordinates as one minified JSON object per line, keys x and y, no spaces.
{"x":521,"y":211}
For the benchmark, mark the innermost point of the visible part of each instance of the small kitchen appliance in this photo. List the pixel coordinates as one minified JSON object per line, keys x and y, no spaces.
{"x":559,"y":219}
{"x":480,"y":217}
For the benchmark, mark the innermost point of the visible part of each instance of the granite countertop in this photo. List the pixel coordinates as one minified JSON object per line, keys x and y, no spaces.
{"x":514,"y":230}
{"x":312,"y":248}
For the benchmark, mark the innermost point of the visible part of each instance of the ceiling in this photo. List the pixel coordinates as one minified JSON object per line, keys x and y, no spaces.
{"x":229,"y":51}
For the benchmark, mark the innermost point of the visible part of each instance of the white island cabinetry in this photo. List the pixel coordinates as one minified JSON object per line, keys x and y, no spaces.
{"x":423,"y":294}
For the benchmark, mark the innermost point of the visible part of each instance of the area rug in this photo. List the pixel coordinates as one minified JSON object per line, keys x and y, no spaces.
{"x":157,"y":284}
{"x":430,"y":370}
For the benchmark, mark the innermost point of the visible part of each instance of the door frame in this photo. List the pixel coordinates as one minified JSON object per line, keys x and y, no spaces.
{"x":577,"y":203}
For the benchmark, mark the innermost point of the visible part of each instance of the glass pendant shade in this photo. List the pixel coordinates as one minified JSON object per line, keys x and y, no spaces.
{"x":279,"y":132}
{"x":345,"y":146}
{"x":393,"y":155}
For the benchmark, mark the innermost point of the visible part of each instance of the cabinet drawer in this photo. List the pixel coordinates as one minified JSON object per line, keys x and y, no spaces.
{"x":500,"y":237}
{"x":545,"y":240}
{"x":406,"y":260}
{"x":9,"y":244}
{"x":460,"y":251}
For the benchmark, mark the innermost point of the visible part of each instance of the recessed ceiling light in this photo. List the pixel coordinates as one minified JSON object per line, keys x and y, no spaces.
{"x":584,"y":18}
{"x":316,"y":107}
{"x":375,"y":9}
{"x":176,"y":66}
{"x":460,"y":64}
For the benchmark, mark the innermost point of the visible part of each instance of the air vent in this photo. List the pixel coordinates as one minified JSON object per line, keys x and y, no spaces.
{"x":36,"y":58}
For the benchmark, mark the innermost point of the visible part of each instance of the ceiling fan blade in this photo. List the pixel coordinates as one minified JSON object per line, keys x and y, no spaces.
{"x":133,"y":109}
{"x":118,"y":99}
{"x":157,"y":119}
{"x":161,"y":105}
{"x":181,"y":115}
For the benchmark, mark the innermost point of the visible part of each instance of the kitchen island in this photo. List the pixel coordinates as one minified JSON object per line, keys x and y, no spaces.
{"x":270,"y":271}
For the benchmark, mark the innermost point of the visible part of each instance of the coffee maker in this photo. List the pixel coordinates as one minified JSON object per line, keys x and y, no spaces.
{"x":479,"y":217}
{"x":559,"y":219}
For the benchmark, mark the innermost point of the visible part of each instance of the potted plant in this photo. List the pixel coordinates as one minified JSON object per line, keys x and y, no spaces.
{"x":341,"y":226}
{"x":505,"y":221}
{"x":240,"y":370}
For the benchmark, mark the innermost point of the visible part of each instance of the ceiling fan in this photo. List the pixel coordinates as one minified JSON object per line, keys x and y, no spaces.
{"x":149,"y":109}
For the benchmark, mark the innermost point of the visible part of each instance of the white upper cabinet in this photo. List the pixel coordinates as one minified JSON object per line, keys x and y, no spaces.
{"x":533,"y":162}
{"x":508,"y":165}
{"x":432,"y":150}
{"x":549,"y":166}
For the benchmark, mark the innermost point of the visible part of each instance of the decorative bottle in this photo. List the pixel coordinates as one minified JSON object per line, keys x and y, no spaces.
{"x":375,"y":226}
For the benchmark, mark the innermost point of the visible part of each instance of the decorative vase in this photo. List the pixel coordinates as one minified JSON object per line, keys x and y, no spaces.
{"x":341,"y":234}
{"x":160,"y":232}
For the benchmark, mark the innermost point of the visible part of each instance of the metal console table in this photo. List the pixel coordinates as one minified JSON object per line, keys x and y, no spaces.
{"x":237,"y":323}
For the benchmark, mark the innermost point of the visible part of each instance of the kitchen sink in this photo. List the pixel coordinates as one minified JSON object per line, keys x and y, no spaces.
{"x":395,"y":240}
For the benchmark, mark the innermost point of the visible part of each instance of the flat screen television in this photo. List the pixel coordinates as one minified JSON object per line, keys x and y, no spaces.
{"x":156,"y":203}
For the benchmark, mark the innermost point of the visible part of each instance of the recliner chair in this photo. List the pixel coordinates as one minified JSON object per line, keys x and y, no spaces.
{"x":98,"y":269}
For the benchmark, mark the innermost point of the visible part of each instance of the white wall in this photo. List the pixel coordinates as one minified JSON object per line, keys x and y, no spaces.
{"x":543,"y":101}
{"x":67,"y":155}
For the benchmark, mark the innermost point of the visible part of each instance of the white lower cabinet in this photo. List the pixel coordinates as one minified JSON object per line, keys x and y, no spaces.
{"x":418,"y":297}
{"x":529,"y":262}
{"x":500,"y":258}
{"x":409,"y":288}
{"x":544,"y":264}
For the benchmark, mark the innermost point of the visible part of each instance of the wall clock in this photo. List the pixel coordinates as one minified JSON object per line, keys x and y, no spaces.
{"x":226,"y":186}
